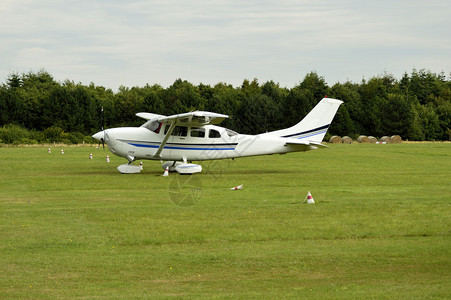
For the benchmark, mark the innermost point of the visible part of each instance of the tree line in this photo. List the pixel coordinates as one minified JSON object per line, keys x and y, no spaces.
{"x":34,"y":108}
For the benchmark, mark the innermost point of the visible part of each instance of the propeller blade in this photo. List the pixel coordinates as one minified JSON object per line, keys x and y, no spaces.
{"x":102,"y":120}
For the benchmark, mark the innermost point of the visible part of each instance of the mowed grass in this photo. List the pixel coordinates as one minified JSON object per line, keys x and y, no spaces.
{"x":381,"y":227}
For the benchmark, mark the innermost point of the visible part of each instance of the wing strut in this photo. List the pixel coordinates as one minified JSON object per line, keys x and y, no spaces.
{"x":163,"y":143}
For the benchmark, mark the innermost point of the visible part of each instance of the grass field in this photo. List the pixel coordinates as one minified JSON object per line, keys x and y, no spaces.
{"x":381,"y":227}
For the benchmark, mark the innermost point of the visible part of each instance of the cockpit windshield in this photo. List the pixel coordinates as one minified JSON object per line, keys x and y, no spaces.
{"x":231,"y":133}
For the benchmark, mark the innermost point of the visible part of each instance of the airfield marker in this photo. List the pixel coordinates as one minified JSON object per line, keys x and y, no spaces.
{"x":166,"y":172}
{"x":238,"y":187}
{"x":107,"y":158}
{"x":310,"y":198}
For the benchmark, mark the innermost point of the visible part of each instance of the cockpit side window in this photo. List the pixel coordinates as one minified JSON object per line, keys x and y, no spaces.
{"x":197,"y":132}
{"x":154,"y":126}
{"x":214,"y":134}
{"x":178,"y":130}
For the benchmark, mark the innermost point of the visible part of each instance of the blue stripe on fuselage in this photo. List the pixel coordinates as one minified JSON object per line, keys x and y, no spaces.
{"x":182,"y":147}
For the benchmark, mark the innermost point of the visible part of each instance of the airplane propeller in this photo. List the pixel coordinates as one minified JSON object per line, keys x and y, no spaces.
{"x":102,"y":120}
{"x":101,"y":134}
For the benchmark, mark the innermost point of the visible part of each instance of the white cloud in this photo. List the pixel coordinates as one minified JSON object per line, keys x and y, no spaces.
{"x":116,"y":43}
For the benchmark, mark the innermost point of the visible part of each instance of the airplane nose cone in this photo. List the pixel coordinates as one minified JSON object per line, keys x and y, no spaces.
{"x":99,"y":135}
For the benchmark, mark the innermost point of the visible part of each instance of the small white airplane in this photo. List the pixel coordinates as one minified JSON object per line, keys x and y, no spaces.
{"x":195,"y":136}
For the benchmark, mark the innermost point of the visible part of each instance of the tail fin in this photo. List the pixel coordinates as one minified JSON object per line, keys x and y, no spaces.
{"x":314,"y":126}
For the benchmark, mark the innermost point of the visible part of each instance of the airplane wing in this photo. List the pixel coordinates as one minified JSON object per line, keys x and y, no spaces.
{"x":194,"y":118}
{"x":148,"y":116}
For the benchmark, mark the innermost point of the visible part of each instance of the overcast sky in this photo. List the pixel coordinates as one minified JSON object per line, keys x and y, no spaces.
{"x":134,"y":42}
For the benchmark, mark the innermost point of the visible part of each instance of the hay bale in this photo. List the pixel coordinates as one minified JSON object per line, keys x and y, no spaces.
{"x":346,"y":140}
{"x":386,"y":139}
{"x":363,"y":139}
{"x":396,"y":139}
{"x":372,"y":139}
{"x":335,"y":139}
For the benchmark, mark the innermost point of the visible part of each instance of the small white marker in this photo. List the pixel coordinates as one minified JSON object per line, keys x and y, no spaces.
{"x":310,"y":198}
{"x":166,"y":172}
{"x":238,"y":187}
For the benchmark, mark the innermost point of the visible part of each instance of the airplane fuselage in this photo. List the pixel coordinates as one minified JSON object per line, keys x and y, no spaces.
{"x":195,"y":136}
{"x":187,"y":144}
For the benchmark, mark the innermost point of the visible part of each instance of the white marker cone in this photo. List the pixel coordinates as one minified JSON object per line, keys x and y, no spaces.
{"x":238,"y":187}
{"x":50,"y":151}
{"x":62,"y":151}
{"x":310,"y":198}
{"x":90,"y":156}
{"x":141,"y":165}
{"x":166,"y":172}
{"x":107,"y":158}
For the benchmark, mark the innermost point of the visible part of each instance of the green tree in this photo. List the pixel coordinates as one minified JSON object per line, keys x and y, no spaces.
{"x":248,"y":87}
{"x":226,"y":100}
{"x":297,"y":106}
{"x":316,"y":87}
{"x":181,"y":97}
{"x":347,"y":120}
{"x":372,"y":94}
{"x":303,"y":97}
{"x":417,"y":106}
{"x":397,"y":115}
{"x":101,"y":97}
{"x":278,"y":97}
{"x":127,"y":103}
{"x":425,"y":85}
{"x":256,"y":114}
{"x":36,"y":88}
{"x":443,"y":111}
{"x":428,"y":121}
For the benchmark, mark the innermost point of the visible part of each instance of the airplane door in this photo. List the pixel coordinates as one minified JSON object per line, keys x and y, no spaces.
{"x":178,"y":136}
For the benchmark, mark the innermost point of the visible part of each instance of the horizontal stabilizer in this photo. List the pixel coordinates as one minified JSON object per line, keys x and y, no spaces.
{"x":309,"y":145}
{"x":318,"y":144}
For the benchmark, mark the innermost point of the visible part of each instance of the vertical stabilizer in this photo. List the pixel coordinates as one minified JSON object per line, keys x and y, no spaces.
{"x":314,"y":126}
